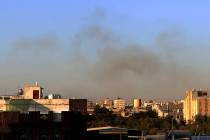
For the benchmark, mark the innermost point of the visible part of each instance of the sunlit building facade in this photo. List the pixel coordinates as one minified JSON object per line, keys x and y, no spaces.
{"x":196,"y":102}
{"x":119,"y":104}
{"x":30,"y":98}
{"x":108,"y":103}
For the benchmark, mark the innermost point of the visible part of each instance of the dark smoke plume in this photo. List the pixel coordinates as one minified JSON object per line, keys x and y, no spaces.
{"x":98,"y":63}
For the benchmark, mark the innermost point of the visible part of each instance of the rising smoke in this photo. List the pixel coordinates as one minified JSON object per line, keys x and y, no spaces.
{"x":98,"y":63}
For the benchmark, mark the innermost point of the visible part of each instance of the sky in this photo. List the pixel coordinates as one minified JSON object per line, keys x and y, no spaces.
{"x":96,"y":49}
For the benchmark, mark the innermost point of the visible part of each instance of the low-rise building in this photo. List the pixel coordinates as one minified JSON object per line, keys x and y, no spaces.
{"x":31,"y":99}
{"x":108,"y":103}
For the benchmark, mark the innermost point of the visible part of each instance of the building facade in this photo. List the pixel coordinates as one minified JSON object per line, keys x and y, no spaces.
{"x":31,"y":99}
{"x":119,"y":104}
{"x":32,"y":92}
{"x":136,"y":103}
{"x":108,"y":103}
{"x":196,"y":102}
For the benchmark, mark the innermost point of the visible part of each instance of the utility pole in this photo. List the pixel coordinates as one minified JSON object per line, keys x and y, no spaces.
{"x":120,"y":133}
{"x":142,"y":135}
{"x":197,"y":126}
{"x":172,"y":128}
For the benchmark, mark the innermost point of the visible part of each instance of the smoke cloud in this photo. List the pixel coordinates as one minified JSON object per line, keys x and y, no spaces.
{"x":97,"y":64}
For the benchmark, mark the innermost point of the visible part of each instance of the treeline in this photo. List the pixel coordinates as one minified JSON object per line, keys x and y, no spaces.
{"x":149,"y":122}
{"x":201,"y":126}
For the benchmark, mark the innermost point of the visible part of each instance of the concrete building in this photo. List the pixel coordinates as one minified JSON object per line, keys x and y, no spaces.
{"x":31,"y":99}
{"x":108,"y":103}
{"x":32,"y":92}
{"x":136,"y":103}
{"x":119,"y":104}
{"x":160,"y":112}
{"x":196,"y":102}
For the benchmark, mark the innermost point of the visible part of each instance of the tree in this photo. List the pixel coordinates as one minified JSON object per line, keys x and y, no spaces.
{"x":102,"y":117}
{"x":202,"y":124}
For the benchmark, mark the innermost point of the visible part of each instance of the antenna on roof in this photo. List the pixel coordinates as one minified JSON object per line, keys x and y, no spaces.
{"x":36,"y":83}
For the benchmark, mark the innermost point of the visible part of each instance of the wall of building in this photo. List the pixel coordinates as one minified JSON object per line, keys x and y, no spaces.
{"x":3,"y":105}
{"x":28,"y":92}
{"x":79,"y":105}
{"x":208,"y":104}
{"x":108,"y":103}
{"x":119,"y":104}
{"x":190,"y":109}
{"x":55,"y":105}
{"x":203,"y":108}
{"x":136,"y":103}
{"x":44,"y":105}
{"x":196,"y":102}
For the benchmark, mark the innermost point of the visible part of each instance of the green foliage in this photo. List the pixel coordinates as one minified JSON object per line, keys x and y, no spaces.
{"x":149,"y":122}
{"x":102,"y":117}
{"x":202,"y":124}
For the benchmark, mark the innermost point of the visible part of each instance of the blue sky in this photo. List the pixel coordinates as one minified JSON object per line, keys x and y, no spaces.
{"x":34,"y":18}
{"x":172,"y":28}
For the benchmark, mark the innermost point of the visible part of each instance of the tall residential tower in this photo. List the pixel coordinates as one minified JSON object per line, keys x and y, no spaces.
{"x":196,"y":102}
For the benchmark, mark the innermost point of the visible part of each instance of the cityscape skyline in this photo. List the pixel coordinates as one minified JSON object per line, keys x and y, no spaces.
{"x":105,"y":49}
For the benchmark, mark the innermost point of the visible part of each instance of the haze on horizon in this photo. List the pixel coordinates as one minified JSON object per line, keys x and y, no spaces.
{"x":95,"y":49}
